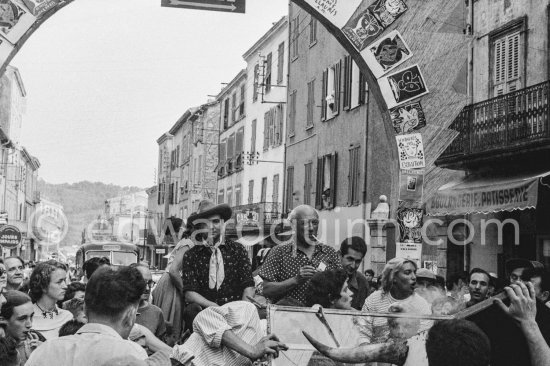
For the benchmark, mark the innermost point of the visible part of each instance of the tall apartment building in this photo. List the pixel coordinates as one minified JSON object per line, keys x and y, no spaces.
{"x":503,"y":144}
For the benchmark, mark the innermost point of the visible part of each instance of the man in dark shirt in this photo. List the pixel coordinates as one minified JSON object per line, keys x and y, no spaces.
{"x":218,"y":271}
{"x":289,"y":267}
{"x":352,"y":251}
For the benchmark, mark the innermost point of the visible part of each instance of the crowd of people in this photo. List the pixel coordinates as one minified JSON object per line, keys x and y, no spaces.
{"x":208,"y":308}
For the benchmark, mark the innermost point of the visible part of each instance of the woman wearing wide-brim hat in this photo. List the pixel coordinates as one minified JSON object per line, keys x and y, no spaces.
{"x":218,"y":271}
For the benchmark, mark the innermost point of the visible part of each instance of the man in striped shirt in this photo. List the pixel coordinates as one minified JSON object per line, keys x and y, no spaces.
{"x":228,"y":335}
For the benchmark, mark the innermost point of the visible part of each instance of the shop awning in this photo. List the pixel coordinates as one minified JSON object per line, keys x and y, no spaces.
{"x":250,"y":240}
{"x":477,"y":194}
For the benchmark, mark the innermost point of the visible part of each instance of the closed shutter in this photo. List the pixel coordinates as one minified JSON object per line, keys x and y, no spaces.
{"x":292,"y":113}
{"x":222,"y":152}
{"x":250,"y":192}
{"x":239,"y":142}
{"x":333,"y":167}
{"x":324,"y":96}
{"x":253,"y":137}
{"x":362,"y":88}
{"x":319,"y":184}
{"x":280,"y":63}
{"x":255,"y":85}
{"x":268,"y":73}
{"x":506,"y":64}
{"x":275,"y":196}
{"x":337,"y":87}
{"x":231,"y":146}
{"x":289,"y":188}
{"x":266,"y":131}
{"x":307,"y":183}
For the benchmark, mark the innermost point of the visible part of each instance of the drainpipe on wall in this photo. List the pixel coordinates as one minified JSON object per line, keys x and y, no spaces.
{"x":366,"y":205}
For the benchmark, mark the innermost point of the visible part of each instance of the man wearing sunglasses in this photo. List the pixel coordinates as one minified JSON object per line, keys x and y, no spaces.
{"x":149,"y":315}
{"x":217,"y":270}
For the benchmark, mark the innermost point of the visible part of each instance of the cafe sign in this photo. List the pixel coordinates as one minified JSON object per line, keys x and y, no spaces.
{"x":10,"y":237}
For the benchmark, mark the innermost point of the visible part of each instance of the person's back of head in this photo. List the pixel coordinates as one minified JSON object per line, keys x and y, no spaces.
{"x":70,"y":328}
{"x":92,"y":264}
{"x":111,"y":292}
{"x":457,"y":342}
{"x":325,"y":287}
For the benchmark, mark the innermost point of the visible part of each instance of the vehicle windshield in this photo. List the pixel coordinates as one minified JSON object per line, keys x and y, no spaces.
{"x":123,"y":258}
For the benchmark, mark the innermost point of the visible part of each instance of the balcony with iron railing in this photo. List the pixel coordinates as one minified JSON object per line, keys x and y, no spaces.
{"x":255,"y":216}
{"x":512,"y":126}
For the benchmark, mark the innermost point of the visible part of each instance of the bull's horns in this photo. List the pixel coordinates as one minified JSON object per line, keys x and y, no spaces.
{"x":389,"y":352}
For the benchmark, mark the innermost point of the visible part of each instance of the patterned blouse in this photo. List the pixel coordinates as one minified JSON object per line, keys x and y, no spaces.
{"x":280,"y":265}
{"x":238,"y":272}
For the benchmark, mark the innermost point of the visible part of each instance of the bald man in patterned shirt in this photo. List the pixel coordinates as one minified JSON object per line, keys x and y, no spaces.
{"x":289,"y":267}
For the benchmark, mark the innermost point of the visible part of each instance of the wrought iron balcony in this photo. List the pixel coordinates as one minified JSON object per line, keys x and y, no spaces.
{"x":263,"y":213}
{"x":503,"y":125}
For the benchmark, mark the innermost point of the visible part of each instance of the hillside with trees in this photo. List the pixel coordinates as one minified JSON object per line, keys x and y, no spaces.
{"x":82,"y":203}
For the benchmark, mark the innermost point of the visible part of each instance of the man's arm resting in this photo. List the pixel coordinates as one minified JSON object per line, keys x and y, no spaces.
{"x":195,"y":297}
{"x":279,"y":289}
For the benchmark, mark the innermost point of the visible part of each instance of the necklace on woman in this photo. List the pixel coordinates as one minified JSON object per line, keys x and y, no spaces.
{"x":46,"y":313}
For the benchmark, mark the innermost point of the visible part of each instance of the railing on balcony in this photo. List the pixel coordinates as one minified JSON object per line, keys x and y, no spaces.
{"x":507,"y":121}
{"x":257,"y":213}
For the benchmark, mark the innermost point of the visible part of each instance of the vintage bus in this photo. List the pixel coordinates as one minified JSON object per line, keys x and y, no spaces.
{"x":120,"y":254}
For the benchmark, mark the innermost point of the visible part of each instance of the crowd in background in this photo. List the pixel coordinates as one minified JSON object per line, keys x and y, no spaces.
{"x":209,"y":306}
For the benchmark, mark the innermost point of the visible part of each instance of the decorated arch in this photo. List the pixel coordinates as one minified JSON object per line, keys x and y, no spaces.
{"x":413,"y":54}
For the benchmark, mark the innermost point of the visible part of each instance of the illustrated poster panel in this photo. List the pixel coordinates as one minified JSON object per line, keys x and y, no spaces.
{"x":288,"y":326}
{"x":387,"y":11}
{"x":408,"y":118}
{"x":15,"y":20}
{"x":38,"y":7}
{"x":410,"y":224}
{"x":387,"y":53}
{"x":362,"y":29}
{"x":411,"y":151}
{"x":411,"y":185}
{"x":403,"y":86}
{"x":338,"y":12}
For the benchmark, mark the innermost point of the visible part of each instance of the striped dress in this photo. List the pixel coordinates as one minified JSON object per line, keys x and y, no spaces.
{"x":377,"y":329}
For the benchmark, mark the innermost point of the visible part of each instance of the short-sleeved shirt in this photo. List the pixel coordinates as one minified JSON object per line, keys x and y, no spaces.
{"x":280,"y":265}
{"x":238,"y":272}
{"x":151,"y":317}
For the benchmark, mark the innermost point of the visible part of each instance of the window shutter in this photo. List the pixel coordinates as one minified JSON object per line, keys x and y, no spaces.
{"x":267,"y":80}
{"x":239,"y":141}
{"x":319,"y":184}
{"x":222,"y":153}
{"x":253,"y":137}
{"x":255,"y":85}
{"x":266,"y":130}
{"x":362,"y":89}
{"x":324,"y":96}
{"x":333,"y":166}
{"x":337,"y":86}
{"x":280,"y":63}
{"x":347,"y":82}
{"x":500,"y":60}
{"x":513,"y":57}
{"x":231,"y":146}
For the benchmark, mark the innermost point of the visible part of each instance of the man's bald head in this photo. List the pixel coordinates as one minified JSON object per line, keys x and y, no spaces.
{"x":305,"y":221}
{"x":303,"y":212}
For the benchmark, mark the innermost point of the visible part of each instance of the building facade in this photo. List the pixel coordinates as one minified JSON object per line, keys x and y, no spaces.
{"x":18,"y":168}
{"x":500,"y":208}
{"x":336,"y":149}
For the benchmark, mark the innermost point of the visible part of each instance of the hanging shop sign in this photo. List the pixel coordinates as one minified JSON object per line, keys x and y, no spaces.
{"x":10,"y":237}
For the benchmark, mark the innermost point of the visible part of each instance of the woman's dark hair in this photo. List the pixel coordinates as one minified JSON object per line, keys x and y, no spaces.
{"x":325,"y":287}
{"x":90,"y":266}
{"x":73,"y":288}
{"x":70,"y":328}
{"x":13,"y":299}
{"x":110,"y":291}
{"x":8,"y":352}
{"x":41,"y":277}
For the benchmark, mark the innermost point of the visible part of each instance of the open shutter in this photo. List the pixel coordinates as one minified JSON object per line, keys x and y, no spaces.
{"x":337,"y":86}
{"x":266,"y":130}
{"x":347,"y":82}
{"x":239,"y":141}
{"x":333,"y":164}
{"x":319,"y":184}
{"x":324,"y":96}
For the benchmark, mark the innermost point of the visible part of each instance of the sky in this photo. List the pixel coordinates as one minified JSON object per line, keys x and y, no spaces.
{"x":106,"y":78}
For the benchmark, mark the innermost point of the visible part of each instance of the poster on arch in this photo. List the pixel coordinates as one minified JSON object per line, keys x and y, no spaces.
{"x":403,"y":86}
{"x":5,"y":50}
{"x":15,"y":20}
{"x":387,"y":53}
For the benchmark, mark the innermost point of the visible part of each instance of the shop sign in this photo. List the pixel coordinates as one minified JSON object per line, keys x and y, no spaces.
{"x":160,"y":251}
{"x":10,"y":237}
